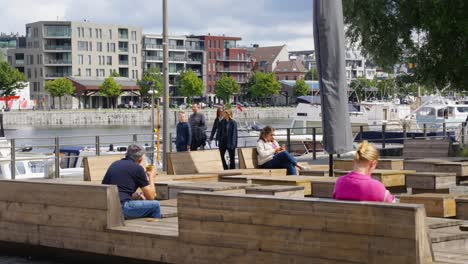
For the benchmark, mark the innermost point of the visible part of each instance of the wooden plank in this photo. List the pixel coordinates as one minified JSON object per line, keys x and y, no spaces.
{"x":314,"y":172}
{"x":462,"y":208}
{"x":323,"y":188}
{"x":430,"y":180}
{"x":422,"y":148}
{"x":389,"y":178}
{"x":436,"y":204}
{"x":223,"y":187}
{"x":287,"y":180}
{"x":276,"y":190}
{"x":96,"y":167}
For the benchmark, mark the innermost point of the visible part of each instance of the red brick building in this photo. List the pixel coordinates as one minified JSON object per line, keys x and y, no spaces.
{"x":289,"y":70}
{"x":224,"y":56}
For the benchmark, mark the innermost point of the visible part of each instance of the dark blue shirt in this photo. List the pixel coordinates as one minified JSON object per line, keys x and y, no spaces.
{"x":128,"y":176}
{"x":183,"y":136}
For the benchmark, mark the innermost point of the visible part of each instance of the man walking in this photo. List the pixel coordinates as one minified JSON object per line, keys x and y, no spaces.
{"x":198,"y":125}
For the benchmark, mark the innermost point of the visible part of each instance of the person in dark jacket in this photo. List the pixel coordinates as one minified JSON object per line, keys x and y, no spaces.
{"x":198,"y":126}
{"x":184,"y":134}
{"x":227,"y":137}
{"x":214,"y":130}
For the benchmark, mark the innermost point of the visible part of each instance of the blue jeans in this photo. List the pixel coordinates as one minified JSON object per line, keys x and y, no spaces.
{"x":280,"y":161}
{"x":141,"y":208}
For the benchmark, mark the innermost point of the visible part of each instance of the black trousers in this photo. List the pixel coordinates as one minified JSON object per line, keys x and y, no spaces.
{"x":232,"y":161}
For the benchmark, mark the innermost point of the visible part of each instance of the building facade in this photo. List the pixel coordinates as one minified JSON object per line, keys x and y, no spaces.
{"x":55,"y":49}
{"x":224,"y":56}
{"x":185,"y":54}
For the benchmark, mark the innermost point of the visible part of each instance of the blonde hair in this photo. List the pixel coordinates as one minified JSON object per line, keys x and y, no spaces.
{"x":366,"y":152}
{"x":229,"y":113}
{"x":182,"y":116}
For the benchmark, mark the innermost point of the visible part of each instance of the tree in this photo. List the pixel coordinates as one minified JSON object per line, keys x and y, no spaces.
{"x":226,"y":87}
{"x":110,"y":89}
{"x":263,"y":85}
{"x":152,"y":75}
{"x":431,"y":34}
{"x":361,"y":87}
{"x":10,"y":81}
{"x":59,"y":88}
{"x":190,"y":85}
{"x":115,"y":74}
{"x":300,"y":88}
{"x":311,"y":75}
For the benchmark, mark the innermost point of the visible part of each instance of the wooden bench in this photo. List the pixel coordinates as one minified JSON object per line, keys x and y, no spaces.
{"x":324,"y":187}
{"x":95,"y":167}
{"x":426,"y":148}
{"x":208,"y":161}
{"x":382,"y":164}
{"x":242,"y":178}
{"x":276,"y":190}
{"x":264,"y":229}
{"x":390,"y":178}
{"x":423,"y":165}
{"x":435,"y":182}
{"x":304,"y":181}
{"x":221,"y":187}
{"x":436,"y":204}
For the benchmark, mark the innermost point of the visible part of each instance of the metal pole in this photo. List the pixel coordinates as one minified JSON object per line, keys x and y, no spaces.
{"x":166,"y":143}
{"x":361,"y":131}
{"x":13,"y":159}
{"x":152,"y":124}
{"x":463,"y":133}
{"x":314,"y":142}
{"x":288,"y":139}
{"x":57,"y":158}
{"x":444,"y":129}
{"x":330,"y":165}
{"x":383,"y":135}
{"x":98,"y":146}
{"x":170,"y":136}
{"x":425,"y":131}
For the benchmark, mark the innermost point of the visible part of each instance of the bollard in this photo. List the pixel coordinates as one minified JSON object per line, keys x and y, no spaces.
{"x":444,"y":129}
{"x":13,"y":159}
{"x":463,"y":133}
{"x":425,"y":131}
{"x":98,"y":146}
{"x":170,"y":140}
{"x":404,"y":132}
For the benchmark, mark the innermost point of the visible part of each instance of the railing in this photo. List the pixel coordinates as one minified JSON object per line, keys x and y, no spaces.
{"x":19,"y":62}
{"x":152,"y":46}
{"x":53,"y":144}
{"x":155,"y":58}
{"x":123,"y":62}
{"x":59,"y":62}
{"x":123,"y":49}
{"x":232,"y":70}
{"x":57,"y":47}
{"x":188,"y":47}
{"x":232,"y":59}
{"x":193,"y":60}
{"x":57,"y":74}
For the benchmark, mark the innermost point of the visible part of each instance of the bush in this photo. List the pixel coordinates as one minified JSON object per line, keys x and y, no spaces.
{"x":462,"y":152}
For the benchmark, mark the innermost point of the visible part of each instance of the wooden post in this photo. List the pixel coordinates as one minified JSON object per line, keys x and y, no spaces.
{"x":314,"y":142}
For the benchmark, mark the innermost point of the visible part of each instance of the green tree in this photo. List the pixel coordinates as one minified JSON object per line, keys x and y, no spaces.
{"x":263,"y":85}
{"x":361,"y":87}
{"x":110,"y":89}
{"x":10,"y":80}
{"x":190,"y":85}
{"x":115,"y":74}
{"x":226,"y":87}
{"x":59,"y":88}
{"x":311,"y":75}
{"x":152,"y":75}
{"x":300,"y":88}
{"x":431,"y":34}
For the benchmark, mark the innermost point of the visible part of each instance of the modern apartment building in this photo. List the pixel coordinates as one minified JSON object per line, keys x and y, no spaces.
{"x":56,"y":49}
{"x":185,"y":53}
{"x":224,"y":56}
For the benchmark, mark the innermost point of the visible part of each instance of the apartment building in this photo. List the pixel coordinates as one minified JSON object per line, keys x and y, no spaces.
{"x":224,"y":56}
{"x":55,"y":49}
{"x":185,"y":53}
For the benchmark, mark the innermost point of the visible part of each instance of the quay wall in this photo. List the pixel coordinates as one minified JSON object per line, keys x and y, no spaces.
{"x":128,"y":116}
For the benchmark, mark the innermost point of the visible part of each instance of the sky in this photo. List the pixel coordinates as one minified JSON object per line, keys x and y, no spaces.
{"x":263,"y":22}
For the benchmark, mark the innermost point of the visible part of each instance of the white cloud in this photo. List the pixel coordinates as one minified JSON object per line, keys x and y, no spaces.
{"x":265,"y":22}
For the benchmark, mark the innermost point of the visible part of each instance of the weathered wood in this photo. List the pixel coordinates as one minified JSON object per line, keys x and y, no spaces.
{"x":324,"y":230}
{"x":310,"y":172}
{"x":462,"y":208}
{"x":96,"y":167}
{"x":418,"y":191}
{"x":382,"y":164}
{"x":423,"y":165}
{"x":162,"y":188}
{"x":287,"y":180}
{"x":430,"y":180}
{"x":223,"y":187}
{"x":323,"y":188}
{"x":389,"y":178}
{"x":276,"y":190}
{"x":247,"y":158}
{"x":436,"y":204}
{"x":423,"y":148}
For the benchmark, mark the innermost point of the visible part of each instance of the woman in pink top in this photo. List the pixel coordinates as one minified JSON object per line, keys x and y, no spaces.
{"x":358,"y":185}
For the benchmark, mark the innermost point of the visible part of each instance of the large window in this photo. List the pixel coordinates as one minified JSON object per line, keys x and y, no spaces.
{"x":57,"y":31}
{"x":82,"y":45}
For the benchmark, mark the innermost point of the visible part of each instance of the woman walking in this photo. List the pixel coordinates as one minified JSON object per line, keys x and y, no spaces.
{"x":227,"y":137}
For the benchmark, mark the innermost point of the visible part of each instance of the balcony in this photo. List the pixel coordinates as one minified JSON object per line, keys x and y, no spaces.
{"x":57,"y":35}
{"x":153,"y":58}
{"x":176,"y":47}
{"x":19,"y":62}
{"x":122,"y":49}
{"x":194,"y":60}
{"x":123,"y":62}
{"x":57,"y":47}
{"x":56,"y":75}
{"x":196,"y":48}
{"x":152,"y":46}
{"x":228,"y":70}
{"x":177,"y":59}
{"x":58,"y":62}
{"x":232,"y":59}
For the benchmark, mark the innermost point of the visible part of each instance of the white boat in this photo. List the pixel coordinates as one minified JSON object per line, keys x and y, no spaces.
{"x":434,"y":115}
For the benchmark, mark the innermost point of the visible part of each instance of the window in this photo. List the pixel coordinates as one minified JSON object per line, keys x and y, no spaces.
{"x":99,"y":46}
{"x":97,"y":33}
{"x":100,"y":60}
{"x":89,"y":59}
{"x":82,"y":45}
{"x":109,"y":60}
{"x":108,"y":47}
{"x":110,"y":33}
{"x":134,"y":61}
{"x":79,"y":32}
{"x":97,"y":73}
{"x":79,"y":72}
{"x":88,"y":72}
{"x":112,"y":45}
{"x":29,"y":73}
{"x":35,"y":73}
{"x":41,"y":73}
{"x":90,"y":32}
{"x":101,"y":72}
{"x":80,"y":59}
{"x":90,"y":46}
{"x":286,"y":77}
{"x":136,"y":48}
{"x":134,"y":35}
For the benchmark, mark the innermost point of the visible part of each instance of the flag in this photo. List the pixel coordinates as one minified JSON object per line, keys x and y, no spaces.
{"x":239,"y":107}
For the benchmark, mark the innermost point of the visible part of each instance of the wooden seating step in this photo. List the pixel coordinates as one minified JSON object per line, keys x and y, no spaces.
{"x":464,"y":227}
{"x":424,"y":148}
{"x":462,"y":206}
{"x":323,"y":187}
{"x":304,"y":181}
{"x":447,"y":234}
{"x":453,"y":256}
{"x":314,"y":172}
{"x":243,"y":178}
{"x":436,"y":204}
{"x":430,"y":181}
{"x":276,"y":190}
{"x":423,"y":165}
{"x":165,"y":227}
{"x":219,"y":187}
{"x":168,"y":211}
{"x":390,"y":178}
{"x":383,"y":164}
{"x":436,"y":222}
{"x":168,"y":203}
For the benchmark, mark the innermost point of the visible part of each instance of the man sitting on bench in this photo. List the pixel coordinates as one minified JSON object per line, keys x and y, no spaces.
{"x":129,"y":175}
